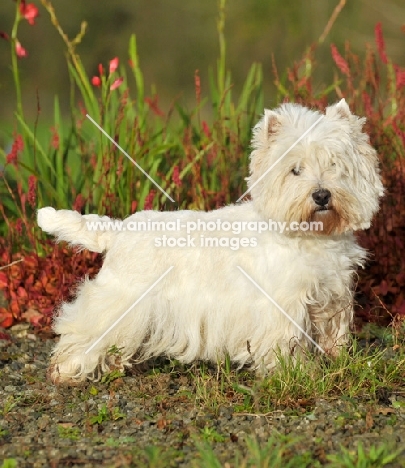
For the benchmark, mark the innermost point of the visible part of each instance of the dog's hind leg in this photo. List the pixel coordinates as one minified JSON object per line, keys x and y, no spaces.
{"x":93,"y":324}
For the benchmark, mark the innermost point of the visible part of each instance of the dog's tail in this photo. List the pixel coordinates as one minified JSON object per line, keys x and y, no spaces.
{"x":88,"y":231}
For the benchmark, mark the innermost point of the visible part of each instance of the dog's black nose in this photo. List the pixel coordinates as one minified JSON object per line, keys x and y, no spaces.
{"x":321,"y":197}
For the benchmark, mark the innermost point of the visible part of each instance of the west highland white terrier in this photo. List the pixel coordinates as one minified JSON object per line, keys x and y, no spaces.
{"x":249,"y":280}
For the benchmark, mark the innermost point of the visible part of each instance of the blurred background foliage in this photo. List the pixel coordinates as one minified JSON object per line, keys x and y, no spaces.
{"x":177,"y":37}
{"x":194,"y":140}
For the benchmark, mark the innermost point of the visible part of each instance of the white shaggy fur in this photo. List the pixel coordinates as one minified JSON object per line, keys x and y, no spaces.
{"x":205,"y":307}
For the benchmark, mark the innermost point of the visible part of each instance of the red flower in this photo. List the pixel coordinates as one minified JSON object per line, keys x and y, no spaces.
{"x":79,"y":203}
{"x":21,"y":52}
{"x":339,"y":60}
{"x":19,"y":226}
{"x":400,"y":77}
{"x":176,"y":176}
{"x":55,"y":138}
{"x":18,"y":146}
{"x":148,"y":204}
{"x":100,"y":69}
{"x":29,"y":12}
{"x":206,"y":129}
{"x":114,"y":64}
{"x":379,"y":39}
{"x":116,"y":84}
{"x":96,"y":81}
{"x":32,"y":190}
{"x":154,"y":105}
{"x":4,"y":35}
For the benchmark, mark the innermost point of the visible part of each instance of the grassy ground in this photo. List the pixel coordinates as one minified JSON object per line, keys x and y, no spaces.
{"x":349,"y":412}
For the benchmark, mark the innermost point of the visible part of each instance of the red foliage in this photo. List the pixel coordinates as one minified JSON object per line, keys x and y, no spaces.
{"x":34,"y":285}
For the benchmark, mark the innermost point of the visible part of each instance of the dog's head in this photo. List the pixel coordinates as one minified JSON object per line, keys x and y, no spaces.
{"x":326,"y":173}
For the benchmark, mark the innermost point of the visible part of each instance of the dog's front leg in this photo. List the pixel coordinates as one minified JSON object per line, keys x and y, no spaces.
{"x":331,"y":325}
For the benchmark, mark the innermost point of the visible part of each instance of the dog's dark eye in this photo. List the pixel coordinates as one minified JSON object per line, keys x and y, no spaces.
{"x":296,"y":171}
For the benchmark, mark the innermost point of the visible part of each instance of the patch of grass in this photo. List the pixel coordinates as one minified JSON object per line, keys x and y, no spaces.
{"x":210,"y":434}
{"x":112,"y":442}
{"x":375,"y":457}
{"x":9,"y":404}
{"x":101,"y":416}
{"x":106,"y":414}
{"x":111,"y":376}
{"x":277,"y":452}
{"x":67,"y":432}
{"x":157,"y":457}
{"x":354,"y":373}
{"x":292,"y":452}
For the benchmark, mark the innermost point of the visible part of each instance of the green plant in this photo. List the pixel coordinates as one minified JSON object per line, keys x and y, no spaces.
{"x":277,"y":452}
{"x":9,"y":463}
{"x":111,"y":442}
{"x":106,"y":414}
{"x":78,"y":166}
{"x":376,"y":456}
{"x":9,"y":404}
{"x":101,"y":416}
{"x":209,"y":434}
{"x":111,"y":376}
{"x":72,"y":433}
{"x":116,"y":414}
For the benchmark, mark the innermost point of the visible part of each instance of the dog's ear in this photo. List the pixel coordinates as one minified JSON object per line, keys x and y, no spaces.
{"x":340,"y":110}
{"x":271,"y":122}
{"x":265,"y":128}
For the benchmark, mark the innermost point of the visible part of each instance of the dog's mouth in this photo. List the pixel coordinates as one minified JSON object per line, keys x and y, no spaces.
{"x":322,"y":209}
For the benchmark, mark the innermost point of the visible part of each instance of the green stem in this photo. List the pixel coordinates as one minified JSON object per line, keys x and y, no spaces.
{"x":14,"y":59}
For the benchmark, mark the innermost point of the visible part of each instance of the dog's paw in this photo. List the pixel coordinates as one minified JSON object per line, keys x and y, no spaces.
{"x":54,"y":375}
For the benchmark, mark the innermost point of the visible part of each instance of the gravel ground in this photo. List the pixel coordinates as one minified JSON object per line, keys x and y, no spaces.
{"x":154,"y":418}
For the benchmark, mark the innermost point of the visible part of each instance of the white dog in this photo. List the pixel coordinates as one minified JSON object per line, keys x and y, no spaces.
{"x":265,"y":292}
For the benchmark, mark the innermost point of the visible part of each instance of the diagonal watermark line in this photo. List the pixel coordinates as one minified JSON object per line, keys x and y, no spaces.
{"x":129,"y":310}
{"x":281,"y":310}
{"x":129,"y":157}
{"x":280,"y":158}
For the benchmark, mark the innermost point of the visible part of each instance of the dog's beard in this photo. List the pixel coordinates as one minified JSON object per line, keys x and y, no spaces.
{"x":332,"y":223}
{"x":334,"y":217}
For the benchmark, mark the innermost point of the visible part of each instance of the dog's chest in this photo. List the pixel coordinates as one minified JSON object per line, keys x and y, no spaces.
{"x":312,"y":265}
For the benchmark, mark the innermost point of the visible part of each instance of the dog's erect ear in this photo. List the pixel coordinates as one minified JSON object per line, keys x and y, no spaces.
{"x":265,"y":129}
{"x":271,"y":122}
{"x":341,"y":110}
